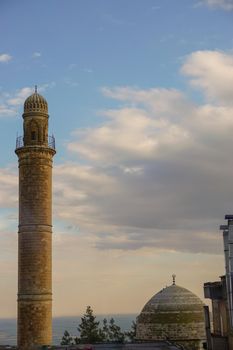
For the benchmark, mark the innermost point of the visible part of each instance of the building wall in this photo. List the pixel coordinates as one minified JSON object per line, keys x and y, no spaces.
{"x":172,"y":331}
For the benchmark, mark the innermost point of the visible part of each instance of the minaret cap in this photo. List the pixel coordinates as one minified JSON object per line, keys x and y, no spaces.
{"x":35,"y":103}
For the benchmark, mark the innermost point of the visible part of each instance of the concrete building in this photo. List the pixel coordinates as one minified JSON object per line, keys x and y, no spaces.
{"x":173,"y":314}
{"x":35,"y":151}
{"x":220,"y":333}
{"x":217,"y":336}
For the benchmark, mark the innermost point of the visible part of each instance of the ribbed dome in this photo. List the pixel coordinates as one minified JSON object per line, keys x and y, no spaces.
{"x":173,"y":298}
{"x":174,"y":313}
{"x":36,"y":103}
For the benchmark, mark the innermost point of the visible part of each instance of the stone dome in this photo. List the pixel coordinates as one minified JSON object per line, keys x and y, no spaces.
{"x":174,"y":313}
{"x":35,"y":103}
{"x":173,"y":298}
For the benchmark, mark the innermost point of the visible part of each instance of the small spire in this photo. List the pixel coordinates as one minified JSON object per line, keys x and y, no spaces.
{"x":173,"y":280}
{"x":35,"y":89}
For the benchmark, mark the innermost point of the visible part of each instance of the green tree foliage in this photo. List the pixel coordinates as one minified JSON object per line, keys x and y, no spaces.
{"x":131,"y":334}
{"x":116,"y":335}
{"x":111,"y":332}
{"x":67,"y":339}
{"x":105,"y":330}
{"x":89,"y":330}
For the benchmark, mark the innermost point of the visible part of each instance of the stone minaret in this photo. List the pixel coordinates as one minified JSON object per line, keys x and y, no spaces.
{"x":35,"y":151}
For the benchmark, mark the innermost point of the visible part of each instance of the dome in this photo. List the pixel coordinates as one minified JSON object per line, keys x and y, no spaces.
{"x":174,"y":313}
{"x":173,"y":298}
{"x":35,"y":103}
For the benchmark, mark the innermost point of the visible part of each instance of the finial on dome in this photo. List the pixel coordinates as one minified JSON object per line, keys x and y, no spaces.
{"x":173,"y":280}
{"x":35,"y":89}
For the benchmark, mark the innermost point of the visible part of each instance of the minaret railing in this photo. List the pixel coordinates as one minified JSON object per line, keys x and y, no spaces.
{"x":51,"y":142}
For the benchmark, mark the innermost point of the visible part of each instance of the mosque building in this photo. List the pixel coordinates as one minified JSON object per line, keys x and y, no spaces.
{"x":173,"y":314}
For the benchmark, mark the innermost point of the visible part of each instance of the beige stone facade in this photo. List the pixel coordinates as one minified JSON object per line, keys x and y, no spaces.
{"x":35,"y":155}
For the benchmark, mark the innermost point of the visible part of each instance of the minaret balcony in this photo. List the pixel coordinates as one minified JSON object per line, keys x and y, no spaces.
{"x":50,"y":144}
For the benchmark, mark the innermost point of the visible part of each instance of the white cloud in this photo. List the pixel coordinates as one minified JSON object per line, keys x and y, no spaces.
{"x":71,"y":82}
{"x":8,"y":188}
{"x":5,"y":111}
{"x":72,"y":66}
{"x":87,"y":70}
{"x":130,"y":134}
{"x":163,"y":205}
{"x":124,"y":256}
{"x":224,"y":4}
{"x":10,"y":102}
{"x":20,"y":96}
{"x":36,"y":54}
{"x":212,"y":72}
{"x":152,"y":187}
{"x":109,"y":18}
{"x":157,"y":168}
{"x":162,"y":164}
{"x":4,"y":58}
{"x":45,"y":86}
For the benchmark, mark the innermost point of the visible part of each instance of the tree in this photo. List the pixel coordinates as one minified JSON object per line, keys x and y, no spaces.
{"x":131,"y":334}
{"x":105,"y":330}
{"x":116,"y":335}
{"x":111,"y":332}
{"x":67,"y":339}
{"x":90,"y":332}
{"x":89,"y":329}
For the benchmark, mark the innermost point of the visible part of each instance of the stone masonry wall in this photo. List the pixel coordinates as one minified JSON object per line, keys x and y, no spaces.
{"x":35,"y":233}
{"x":172,"y":331}
{"x":34,"y":323}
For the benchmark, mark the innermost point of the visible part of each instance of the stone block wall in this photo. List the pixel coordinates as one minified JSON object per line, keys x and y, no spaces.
{"x":35,"y":247}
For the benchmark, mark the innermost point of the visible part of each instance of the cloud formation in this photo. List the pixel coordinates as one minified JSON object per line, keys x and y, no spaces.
{"x":8,"y":188}
{"x":157,"y":171}
{"x":9,"y":102}
{"x":224,"y":4}
{"x":36,"y":54}
{"x":20,"y":96}
{"x":212,"y":72}
{"x":4,"y":58}
{"x":145,"y":191}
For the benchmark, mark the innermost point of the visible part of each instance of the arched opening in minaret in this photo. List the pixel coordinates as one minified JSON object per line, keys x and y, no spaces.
{"x":34,"y":131}
{"x":33,"y":136}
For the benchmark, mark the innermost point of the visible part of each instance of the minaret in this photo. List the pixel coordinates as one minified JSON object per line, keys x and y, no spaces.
{"x":35,"y":151}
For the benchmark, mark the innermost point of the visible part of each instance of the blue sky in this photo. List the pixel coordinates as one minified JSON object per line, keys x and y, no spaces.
{"x":140,"y":102}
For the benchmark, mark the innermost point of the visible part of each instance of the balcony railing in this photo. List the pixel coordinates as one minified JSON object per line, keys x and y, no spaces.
{"x":19,"y":142}
{"x":51,"y":142}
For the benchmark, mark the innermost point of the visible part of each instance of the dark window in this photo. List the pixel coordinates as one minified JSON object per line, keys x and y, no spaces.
{"x":33,"y":135}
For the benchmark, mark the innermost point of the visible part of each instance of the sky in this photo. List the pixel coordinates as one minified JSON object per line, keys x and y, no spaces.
{"x":140,"y":97}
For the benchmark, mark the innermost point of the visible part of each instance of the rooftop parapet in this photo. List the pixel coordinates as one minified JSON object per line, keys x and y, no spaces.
{"x":223,"y":227}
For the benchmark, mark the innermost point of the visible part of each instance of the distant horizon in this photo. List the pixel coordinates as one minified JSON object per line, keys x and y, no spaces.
{"x":60,"y":324}
{"x":81,"y":315}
